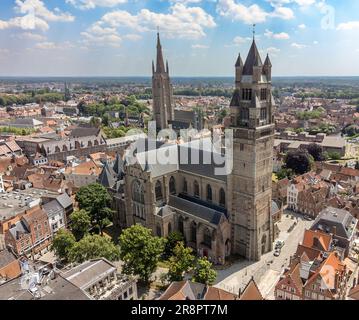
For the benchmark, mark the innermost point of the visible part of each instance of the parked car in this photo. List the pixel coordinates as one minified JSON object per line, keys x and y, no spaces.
{"x":277,"y":252}
{"x":279,"y":244}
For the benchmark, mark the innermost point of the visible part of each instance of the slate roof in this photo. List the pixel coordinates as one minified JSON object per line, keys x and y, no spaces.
{"x":64,"y":200}
{"x":236,"y":98}
{"x":84,"y":131}
{"x":253,"y":59}
{"x":205,"y":213}
{"x":18,"y":229}
{"x":52,"y":208}
{"x":332,"y":218}
{"x":107,"y":177}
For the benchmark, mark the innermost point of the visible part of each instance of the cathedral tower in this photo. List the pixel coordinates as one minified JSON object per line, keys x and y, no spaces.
{"x":163,"y":106}
{"x":250,"y":183}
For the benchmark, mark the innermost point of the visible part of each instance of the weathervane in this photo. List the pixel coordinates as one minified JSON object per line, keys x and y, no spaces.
{"x":254,"y":30}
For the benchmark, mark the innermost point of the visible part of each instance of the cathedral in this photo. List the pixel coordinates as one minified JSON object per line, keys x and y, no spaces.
{"x":218,"y":215}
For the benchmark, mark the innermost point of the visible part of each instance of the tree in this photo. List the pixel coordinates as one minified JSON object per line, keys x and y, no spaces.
{"x":172,"y":240}
{"x":63,"y":243}
{"x":284,"y":173}
{"x":299,"y":161}
{"x":334,"y":156}
{"x":93,"y":247}
{"x":80,"y":223}
{"x":316,"y":151}
{"x":140,"y":251}
{"x":204,"y":273}
{"x":180,"y":262}
{"x":95,"y":199}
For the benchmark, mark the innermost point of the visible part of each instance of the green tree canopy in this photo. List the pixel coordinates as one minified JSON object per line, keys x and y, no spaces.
{"x":316,"y":151}
{"x":92,"y":247}
{"x":203,"y":272}
{"x":172,"y":240}
{"x":95,"y":199}
{"x":80,"y":223}
{"x":140,"y":251}
{"x":63,"y":243}
{"x":299,"y":161}
{"x":180,"y":262}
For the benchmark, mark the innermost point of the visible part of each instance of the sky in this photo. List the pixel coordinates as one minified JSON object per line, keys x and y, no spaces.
{"x":199,"y":37}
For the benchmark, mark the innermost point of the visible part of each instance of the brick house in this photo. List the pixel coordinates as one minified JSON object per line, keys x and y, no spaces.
{"x":9,"y":266}
{"x":31,"y":234}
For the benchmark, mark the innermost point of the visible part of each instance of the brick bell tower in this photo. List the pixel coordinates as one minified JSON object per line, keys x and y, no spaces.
{"x":250,"y":184}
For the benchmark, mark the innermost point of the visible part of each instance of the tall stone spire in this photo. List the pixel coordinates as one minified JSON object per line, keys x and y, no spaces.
{"x":160,"y":65}
{"x":163,"y":106}
{"x":253,"y":59}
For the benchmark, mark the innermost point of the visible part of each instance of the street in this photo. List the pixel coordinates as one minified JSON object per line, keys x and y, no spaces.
{"x":266,"y":272}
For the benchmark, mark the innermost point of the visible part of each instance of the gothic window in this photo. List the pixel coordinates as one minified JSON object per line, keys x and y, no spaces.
{"x":172,"y":185}
{"x":264,"y":94}
{"x":184,"y":185}
{"x":138,"y":199}
{"x":180,"y":225}
{"x":158,"y":230}
{"x":137,"y":192}
{"x":196,"y":189}
{"x":57,"y":149}
{"x":241,"y":147}
{"x":209,"y":193}
{"x":247,"y":94}
{"x":193,"y":232}
{"x":64,"y":148}
{"x":95,"y":143}
{"x":244,"y":114}
{"x":89,"y":144}
{"x":222,"y":197}
{"x":207,"y":239}
{"x":169,"y":228}
{"x":158,"y":191}
{"x":263,"y":113}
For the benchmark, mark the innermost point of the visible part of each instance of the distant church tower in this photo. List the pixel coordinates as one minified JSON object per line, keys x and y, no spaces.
{"x":163,"y":106}
{"x":250,"y":184}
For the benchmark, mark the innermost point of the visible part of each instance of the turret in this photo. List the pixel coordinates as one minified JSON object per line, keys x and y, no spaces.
{"x":267,"y":69}
{"x":239,"y":70}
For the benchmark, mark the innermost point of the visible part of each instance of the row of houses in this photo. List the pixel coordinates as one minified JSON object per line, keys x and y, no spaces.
{"x":322,"y":266}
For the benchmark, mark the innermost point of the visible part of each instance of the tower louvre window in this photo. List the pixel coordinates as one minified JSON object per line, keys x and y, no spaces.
{"x":263,"y":113}
{"x":244,"y":114}
{"x":264,"y":94}
{"x":247,"y":94}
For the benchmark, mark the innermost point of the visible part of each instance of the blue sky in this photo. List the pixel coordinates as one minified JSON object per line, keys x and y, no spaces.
{"x":199,"y":37}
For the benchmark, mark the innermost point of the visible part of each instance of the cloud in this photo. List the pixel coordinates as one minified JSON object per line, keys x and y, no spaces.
{"x":301,"y":3}
{"x":199,"y":46}
{"x":283,"y":13}
{"x":92,"y":4}
{"x":273,"y":50}
{"x":251,"y":14}
{"x":351,"y":25}
{"x":4,"y":51}
{"x":53,"y":46}
{"x":302,"y":26}
{"x":315,"y":42}
{"x":298,"y":45}
{"x":277,"y":36}
{"x":38,"y":9}
{"x":31,"y":36}
{"x":180,"y":22}
{"x":35,"y":16}
{"x":238,"y":11}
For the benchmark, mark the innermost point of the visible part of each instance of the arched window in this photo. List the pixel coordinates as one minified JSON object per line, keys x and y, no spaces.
{"x":169,"y":228}
{"x":196,"y":189}
{"x":158,"y":230}
{"x":207,"y":238}
{"x":95,"y":143}
{"x":209,"y":193}
{"x":185,"y":185}
{"x":180,"y":225}
{"x":137,"y":192}
{"x":64,"y":148}
{"x":222,"y":198}
{"x":57,"y":149}
{"x":172,"y":185}
{"x":193,"y":232}
{"x":158,"y":191}
{"x":89,"y":144}
{"x":138,"y":199}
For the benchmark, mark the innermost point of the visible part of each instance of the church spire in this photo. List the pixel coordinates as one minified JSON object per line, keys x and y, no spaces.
{"x":160,"y":67}
{"x":253,"y":59}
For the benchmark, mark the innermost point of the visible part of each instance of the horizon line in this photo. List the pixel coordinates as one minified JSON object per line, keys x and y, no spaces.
{"x":173,"y":76}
